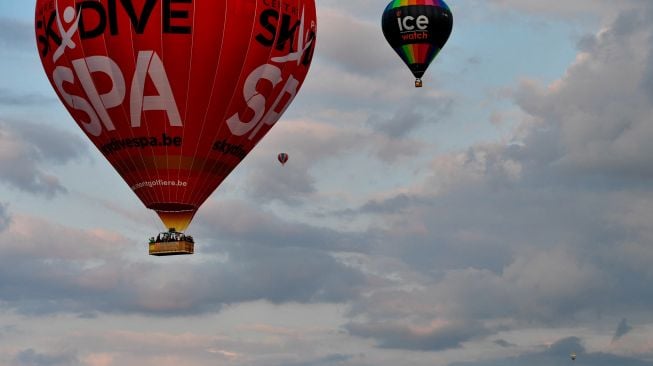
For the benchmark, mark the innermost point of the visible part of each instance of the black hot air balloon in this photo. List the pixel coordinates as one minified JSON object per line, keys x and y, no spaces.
{"x":417,"y":30}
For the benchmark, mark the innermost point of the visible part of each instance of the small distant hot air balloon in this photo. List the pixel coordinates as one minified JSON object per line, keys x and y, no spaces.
{"x":283,"y":158}
{"x":573,"y":356}
{"x":175,"y":94}
{"x":417,"y":30}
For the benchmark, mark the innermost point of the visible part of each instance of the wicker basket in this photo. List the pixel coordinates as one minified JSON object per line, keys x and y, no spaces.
{"x":172,"y":248}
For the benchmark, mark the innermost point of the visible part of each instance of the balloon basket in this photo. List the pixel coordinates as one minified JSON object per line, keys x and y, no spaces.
{"x":418,"y":83}
{"x":172,"y":243}
{"x":172,"y":248}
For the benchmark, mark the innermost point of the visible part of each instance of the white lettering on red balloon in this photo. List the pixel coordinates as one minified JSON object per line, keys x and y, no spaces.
{"x":95,"y":104}
{"x":256,"y":101}
{"x":75,"y":74}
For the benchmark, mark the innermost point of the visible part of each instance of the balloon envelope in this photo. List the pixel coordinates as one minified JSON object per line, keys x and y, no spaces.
{"x":175,"y":94}
{"x":283,"y":158}
{"x":417,"y":30}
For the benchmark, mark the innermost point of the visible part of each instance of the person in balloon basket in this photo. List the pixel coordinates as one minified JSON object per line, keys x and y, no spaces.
{"x":171,"y":235}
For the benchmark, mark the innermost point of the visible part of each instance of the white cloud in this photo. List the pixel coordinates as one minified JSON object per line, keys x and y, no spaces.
{"x":26,"y":151}
{"x":604,"y":8}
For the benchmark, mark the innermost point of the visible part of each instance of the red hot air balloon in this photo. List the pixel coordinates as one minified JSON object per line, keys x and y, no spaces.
{"x":175,"y":93}
{"x":417,"y":30}
{"x":283,"y":158}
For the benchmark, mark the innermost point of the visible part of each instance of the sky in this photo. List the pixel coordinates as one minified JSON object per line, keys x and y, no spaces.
{"x":500,"y":215}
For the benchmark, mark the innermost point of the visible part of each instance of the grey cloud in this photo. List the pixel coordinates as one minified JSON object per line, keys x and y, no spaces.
{"x":647,"y":79}
{"x":558,"y":354}
{"x":358,"y":9}
{"x":394,"y":204}
{"x":11,"y":98}
{"x":397,"y":336}
{"x":200,"y":290}
{"x":409,"y":118}
{"x":27,"y":148}
{"x":5,"y":219}
{"x":60,"y":279}
{"x":596,"y":117}
{"x":304,"y":142}
{"x":329,"y":360}
{"x":474,"y":60}
{"x":17,"y":34}
{"x":292,"y":185}
{"x":547,"y":289}
{"x":53,"y":144}
{"x":503,"y":343}
{"x":552,"y":228}
{"x":310,"y":143}
{"x":237,"y":223}
{"x":283,"y":275}
{"x":622,"y":329}
{"x":7,"y":331}
{"x":588,"y":43}
{"x":30,"y":357}
{"x":364,"y":49}
{"x":603,"y":8}
{"x":531,"y":252}
{"x":628,"y":23}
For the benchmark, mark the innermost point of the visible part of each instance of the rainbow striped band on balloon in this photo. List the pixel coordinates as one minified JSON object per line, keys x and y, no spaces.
{"x":399,"y":3}
{"x":418,"y":53}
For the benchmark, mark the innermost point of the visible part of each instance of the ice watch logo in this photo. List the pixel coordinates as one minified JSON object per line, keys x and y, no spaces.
{"x":408,"y":23}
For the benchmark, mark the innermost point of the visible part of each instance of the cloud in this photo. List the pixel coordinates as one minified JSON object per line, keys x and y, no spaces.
{"x":549,"y":226}
{"x":359,"y":9}
{"x":418,"y":338}
{"x":8,"y":331}
{"x":305,"y":142}
{"x":26,"y":149}
{"x":531,"y":252}
{"x":540,"y":287}
{"x":237,"y":225}
{"x":598,"y":115}
{"x":579,"y":7}
{"x":48,"y":268}
{"x":329,"y":360}
{"x":10,"y":98}
{"x":417,"y":310}
{"x":503,"y":343}
{"x":30,"y":357}
{"x":409,"y":118}
{"x":347,"y":52}
{"x":622,"y":329}
{"x":17,"y":34}
{"x":309,"y":144}
{"x":4,"y":217}
{"x":558,"y":353}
